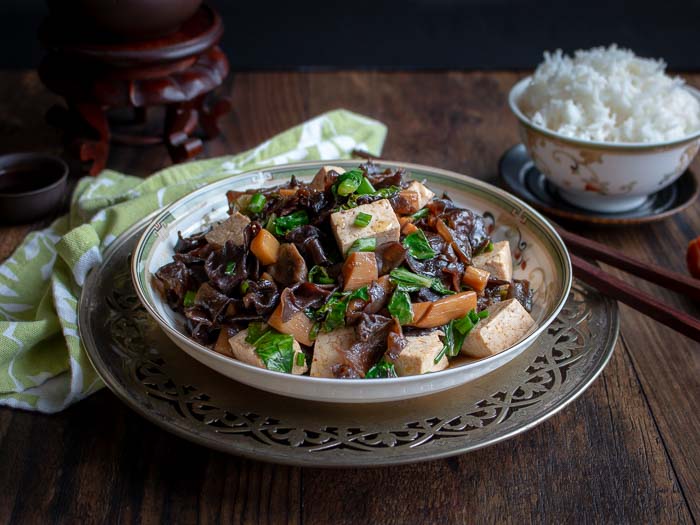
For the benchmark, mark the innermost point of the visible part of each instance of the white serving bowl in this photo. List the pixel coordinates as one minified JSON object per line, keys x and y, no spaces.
{"x":603,"y":176}
{"x":540,"y":256}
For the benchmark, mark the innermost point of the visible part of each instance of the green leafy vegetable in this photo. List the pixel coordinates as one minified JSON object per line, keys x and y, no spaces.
{"x":456,"y":331}
{"x":230,"y":268}
{"x":486,"y":249}
{"x":188,"y":301}
{"x":365,"y":187}
{"x":423,"y":212}
{"x":275,"y":349}
{"x":348,"y":182}
{"x":313,"y":333}
{"x":319,"y":275}
{"x":257,"y":203}
{"x":408,"y":281}
{"x":400,"y":306}
{"x":363,"y":219}
{"x":368,"y":244}
{"x":283,"y":225}
{"x":418,"y":245}
{"x":332,"y":314}
{"x":383,"y":369}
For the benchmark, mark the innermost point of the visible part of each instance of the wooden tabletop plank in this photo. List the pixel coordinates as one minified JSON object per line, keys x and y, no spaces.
{"x":599,"y":460}
{"x":626,"y":451}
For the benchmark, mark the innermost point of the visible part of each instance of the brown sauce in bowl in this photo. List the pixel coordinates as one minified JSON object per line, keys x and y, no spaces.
{"x":27,"y":178}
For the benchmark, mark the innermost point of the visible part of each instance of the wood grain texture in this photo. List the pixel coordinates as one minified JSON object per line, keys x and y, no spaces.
{"x":626,"y":451}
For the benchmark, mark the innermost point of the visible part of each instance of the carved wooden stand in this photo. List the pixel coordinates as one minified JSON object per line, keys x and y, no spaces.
{"x":177,"y":72}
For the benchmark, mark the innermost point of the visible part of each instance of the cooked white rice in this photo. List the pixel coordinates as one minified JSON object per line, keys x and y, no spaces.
{"x":609,"y":95}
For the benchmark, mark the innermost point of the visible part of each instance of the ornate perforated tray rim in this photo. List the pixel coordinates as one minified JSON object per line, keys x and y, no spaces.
{"x":190,"y":413}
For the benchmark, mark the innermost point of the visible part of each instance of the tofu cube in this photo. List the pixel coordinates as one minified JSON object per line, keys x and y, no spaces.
{"x":323,"y":177}
{"x":418,"y":195}
{"x":327,"y":350}
{"x":418,"y":356}
{"x":498,"y":262}
{"x":245,"y":352}
{"x":231,"y":229}
{"x":384,"y":226}
{"x":506,"y":324}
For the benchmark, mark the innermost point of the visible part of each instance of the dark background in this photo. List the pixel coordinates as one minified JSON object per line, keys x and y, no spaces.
{"x":388,"y":34}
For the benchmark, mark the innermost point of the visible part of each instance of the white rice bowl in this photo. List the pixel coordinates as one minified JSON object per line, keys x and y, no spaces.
{"x":609,"y":95}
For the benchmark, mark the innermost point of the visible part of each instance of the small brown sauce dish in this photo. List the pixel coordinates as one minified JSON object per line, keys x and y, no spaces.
{"x":32,"y":185}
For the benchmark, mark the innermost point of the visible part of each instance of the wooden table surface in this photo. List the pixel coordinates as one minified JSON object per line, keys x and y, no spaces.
{"x":626,"y":451}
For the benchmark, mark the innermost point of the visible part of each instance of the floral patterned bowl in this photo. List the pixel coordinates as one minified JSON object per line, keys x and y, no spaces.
{"x":539,"y":255}
{"x":602,"y":176}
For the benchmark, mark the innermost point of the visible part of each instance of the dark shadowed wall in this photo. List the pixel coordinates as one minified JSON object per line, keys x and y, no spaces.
{"x":463,"y":34}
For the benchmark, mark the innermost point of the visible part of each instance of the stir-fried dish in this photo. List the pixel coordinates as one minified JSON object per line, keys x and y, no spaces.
{"x":357,"y":274}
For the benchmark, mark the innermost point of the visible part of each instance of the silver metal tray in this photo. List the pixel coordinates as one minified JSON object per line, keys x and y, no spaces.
{"x":148,"y":372}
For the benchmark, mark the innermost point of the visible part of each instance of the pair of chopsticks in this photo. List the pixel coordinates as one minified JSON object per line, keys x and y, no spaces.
{"x":627,"y":293}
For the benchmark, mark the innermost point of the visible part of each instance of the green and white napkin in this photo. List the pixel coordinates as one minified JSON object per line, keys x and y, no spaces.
{"x":42,"y":363}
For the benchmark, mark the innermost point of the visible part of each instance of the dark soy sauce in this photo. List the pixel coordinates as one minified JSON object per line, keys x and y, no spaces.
{"x":25,"y":178}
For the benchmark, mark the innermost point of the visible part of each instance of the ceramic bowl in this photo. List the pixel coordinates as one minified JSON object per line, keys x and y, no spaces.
{"x":602,"y":176}
{"x":540,"y":256}
{"x":32,"y":185}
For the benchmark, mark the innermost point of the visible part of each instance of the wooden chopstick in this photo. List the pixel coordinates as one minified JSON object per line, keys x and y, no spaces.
{"x":628,"y":294}
{"x":677,"y":282}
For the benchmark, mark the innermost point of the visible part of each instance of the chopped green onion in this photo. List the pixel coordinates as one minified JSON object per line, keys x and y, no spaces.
{"x":319,"y":275}
{"x":245,"y":285}
{"x":348,"y":182}
{"x":473,"y":317}
{"x":230,"y":268}
{"x":189,"y":299}
{"x":257,"y":203}
{"x":418,"y":245}
{"x":283,"y":225}
{"x":276,"y":350}
{"x":383,"y":369}
{"x":483,"y":314}
{"x":363,"y":219}
{"x":489,"y":248}
{"x":400,"y":307}
{"x":448,"y":342}
{"x":423,"y":212}
{"x":300,"y":359}
{"x":365,"y":187}
{"x":368,"y":244}
{"x":270,"y":224}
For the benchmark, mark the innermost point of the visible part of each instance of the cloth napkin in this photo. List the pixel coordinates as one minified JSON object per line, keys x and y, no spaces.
{"x":43,"y":366}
